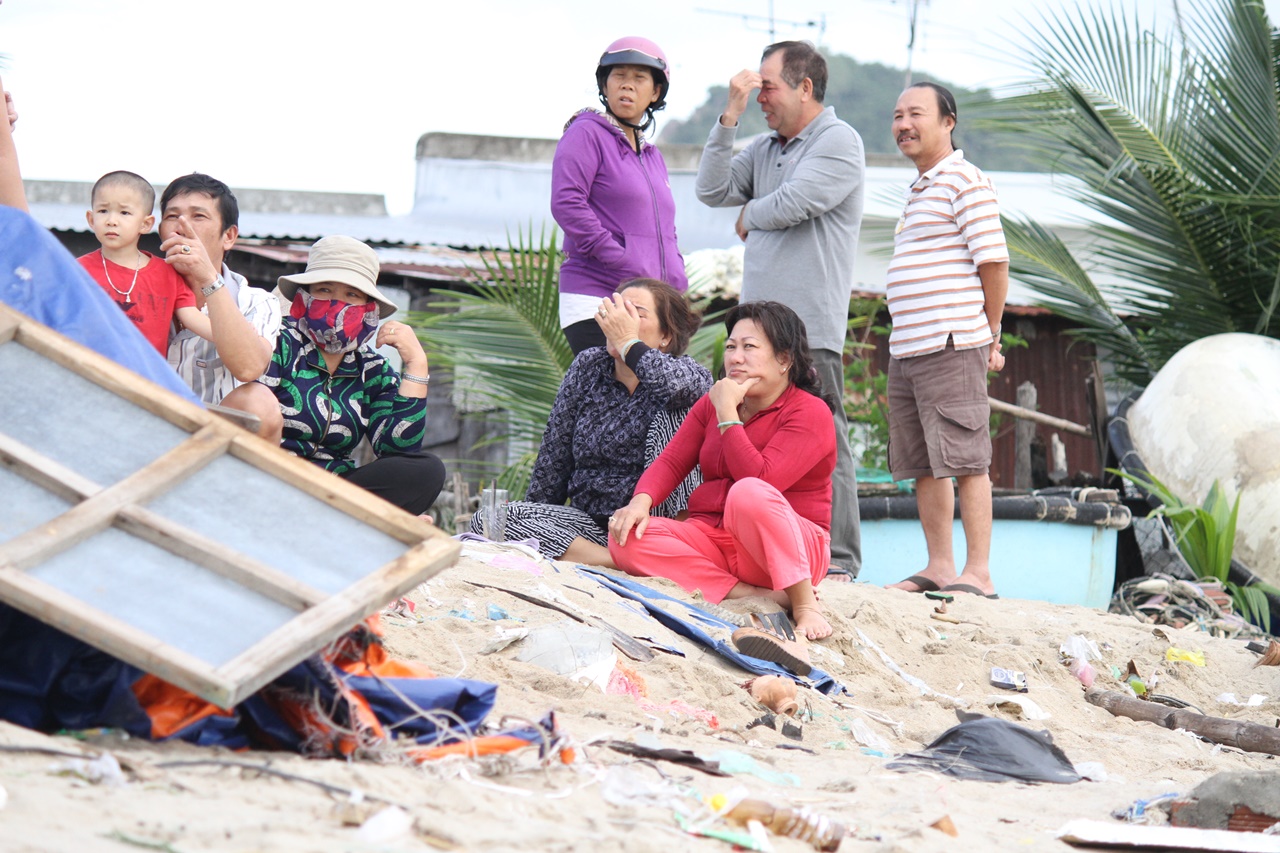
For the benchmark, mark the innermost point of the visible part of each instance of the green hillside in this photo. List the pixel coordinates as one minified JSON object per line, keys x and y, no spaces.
{"x":863,"y":95}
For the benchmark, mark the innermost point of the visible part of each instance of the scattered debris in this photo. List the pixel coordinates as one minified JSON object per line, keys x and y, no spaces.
{"x":776,"y":693}
{"x":992,"y":750}
{"x":1250,"y":737}
{"x":946,"y":825}
{"x":1009,"y":679}
{"x":801,"y":824}
{"x":1237,"y":801}
{"x":1171,"y":654}
{"x":1096,"y":833}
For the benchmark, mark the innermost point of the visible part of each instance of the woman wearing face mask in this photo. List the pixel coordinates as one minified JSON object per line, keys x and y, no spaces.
{"x":610,"y":193}
{"x":335,"y":390}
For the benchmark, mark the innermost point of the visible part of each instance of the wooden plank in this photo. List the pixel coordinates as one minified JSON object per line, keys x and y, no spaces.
{"x":334,"y":491}
{"x":99,"y":512}
{"x":1038,"y":417}
{"x":324,"y":618}
{"x":45,"y":472}
{"x":107,"y":374}
{"x":115,"y":637}
{"x":218,"y":558}
{"x":329,"y":620}
{"x":244,"y":420}
{"x":10,"y":322}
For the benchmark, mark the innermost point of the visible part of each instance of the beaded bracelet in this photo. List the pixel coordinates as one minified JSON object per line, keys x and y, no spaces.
{"x":421,"y":380}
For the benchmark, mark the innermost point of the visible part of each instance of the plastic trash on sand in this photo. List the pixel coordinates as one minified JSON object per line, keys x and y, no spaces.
{"x":737,"y":762}
{"x":820,"y":831}
{"x":992,"y":750}
{"x":103,"y":770}
{"x":631,"y":785}
{"x":568,"y":648}
{"x":1009,"y":679}
{"x":389,"y":825}
{"x":1076,"y":653}
{"x":1172,"y":654}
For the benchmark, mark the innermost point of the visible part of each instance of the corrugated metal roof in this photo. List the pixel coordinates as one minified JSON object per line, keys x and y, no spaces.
{"x":430,"y":262}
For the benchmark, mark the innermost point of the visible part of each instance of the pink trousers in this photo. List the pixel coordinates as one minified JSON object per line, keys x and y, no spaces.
{"x":763,"y":543}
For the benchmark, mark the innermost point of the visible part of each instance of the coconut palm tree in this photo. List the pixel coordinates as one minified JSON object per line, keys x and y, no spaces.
{"x":1175,"y":137}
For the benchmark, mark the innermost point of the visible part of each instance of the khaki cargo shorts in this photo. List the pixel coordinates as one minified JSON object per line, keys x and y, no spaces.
{"x":939,"y":417}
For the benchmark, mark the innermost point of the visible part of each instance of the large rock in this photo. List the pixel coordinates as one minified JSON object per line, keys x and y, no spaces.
{"x":1213,"y":413}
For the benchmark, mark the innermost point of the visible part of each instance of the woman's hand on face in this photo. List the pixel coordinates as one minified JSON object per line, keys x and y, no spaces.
{"x":396,"y":334}
{"x":633,"y":515}
{"x":619,"y":320}
{"x":727,"y":394}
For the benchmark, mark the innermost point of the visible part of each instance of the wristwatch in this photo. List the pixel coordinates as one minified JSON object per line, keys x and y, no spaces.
{"x":218,"y":284}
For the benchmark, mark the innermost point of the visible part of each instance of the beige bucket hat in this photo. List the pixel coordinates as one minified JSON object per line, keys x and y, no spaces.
{"x":344,"y":260}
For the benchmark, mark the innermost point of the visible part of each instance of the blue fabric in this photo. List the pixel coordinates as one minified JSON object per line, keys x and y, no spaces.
{"x":50,"y":681}
{"x":42,"y":280}
{"x":638,"y":592}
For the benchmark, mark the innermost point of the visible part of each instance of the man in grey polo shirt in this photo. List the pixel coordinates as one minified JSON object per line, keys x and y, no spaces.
{"x":801,"y":191}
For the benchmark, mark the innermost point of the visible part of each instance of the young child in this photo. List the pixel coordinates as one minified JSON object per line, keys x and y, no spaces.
{"x":150,"y":292}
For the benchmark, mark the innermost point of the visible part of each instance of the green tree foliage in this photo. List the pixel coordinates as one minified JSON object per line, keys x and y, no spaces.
{"x":504,"y":344}
{"x":863,"y":95}
{"x":1174,"y":136}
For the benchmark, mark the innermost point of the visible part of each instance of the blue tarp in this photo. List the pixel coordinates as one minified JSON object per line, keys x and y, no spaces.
{"x":40,"y":278}
{"x":646,"y":597}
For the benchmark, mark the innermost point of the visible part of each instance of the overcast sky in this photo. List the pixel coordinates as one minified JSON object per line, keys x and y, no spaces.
{"x":323,"y":95}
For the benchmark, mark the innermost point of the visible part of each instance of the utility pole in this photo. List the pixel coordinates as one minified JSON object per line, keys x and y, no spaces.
{"x":771,"y":23}
{"x":913,"y":16}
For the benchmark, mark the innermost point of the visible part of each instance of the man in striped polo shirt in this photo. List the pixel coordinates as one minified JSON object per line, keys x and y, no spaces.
{"x":946,"y":290}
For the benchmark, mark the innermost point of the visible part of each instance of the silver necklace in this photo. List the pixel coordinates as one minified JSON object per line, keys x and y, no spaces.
{"x":125,"y":293}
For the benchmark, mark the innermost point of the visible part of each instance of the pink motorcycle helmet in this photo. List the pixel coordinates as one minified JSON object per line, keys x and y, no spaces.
{"x":633,"y":50}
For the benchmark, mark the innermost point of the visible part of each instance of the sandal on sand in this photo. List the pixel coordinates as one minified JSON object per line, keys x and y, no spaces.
{"x":790,"y":654}
{"x":968,"y":589}
{"x":921,"y":581}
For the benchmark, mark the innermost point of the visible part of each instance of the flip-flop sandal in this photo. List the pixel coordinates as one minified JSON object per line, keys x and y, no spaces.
{"x":770,"y":647}
{"x":968,"y":589}
{"x":921,"y":581}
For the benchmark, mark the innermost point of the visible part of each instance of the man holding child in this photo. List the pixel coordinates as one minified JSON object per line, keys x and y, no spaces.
{"x":199,"y":224}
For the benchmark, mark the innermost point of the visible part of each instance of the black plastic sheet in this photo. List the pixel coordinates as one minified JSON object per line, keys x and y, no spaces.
{"x":990,"y":750}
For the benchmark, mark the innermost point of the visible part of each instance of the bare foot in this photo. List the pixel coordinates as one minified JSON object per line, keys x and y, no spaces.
{"x":810,"y":622}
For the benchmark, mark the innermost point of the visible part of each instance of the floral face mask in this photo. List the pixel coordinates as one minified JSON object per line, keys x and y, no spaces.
{"x":335,"y":326}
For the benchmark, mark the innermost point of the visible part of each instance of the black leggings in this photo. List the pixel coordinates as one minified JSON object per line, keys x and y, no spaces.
{"x":584,"y":334}
{"x":411,"y":481}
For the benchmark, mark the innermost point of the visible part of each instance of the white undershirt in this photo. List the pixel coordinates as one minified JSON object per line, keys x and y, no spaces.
{"x":576,"y":307}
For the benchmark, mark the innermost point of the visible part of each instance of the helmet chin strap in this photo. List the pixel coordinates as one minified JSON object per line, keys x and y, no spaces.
{"x":640,"y":127}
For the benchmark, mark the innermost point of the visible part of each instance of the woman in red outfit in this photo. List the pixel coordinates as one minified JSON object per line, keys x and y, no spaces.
{"x":759,"y":523}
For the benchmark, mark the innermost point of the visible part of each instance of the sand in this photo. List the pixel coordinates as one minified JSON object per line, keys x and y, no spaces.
{"x":606,"y":800}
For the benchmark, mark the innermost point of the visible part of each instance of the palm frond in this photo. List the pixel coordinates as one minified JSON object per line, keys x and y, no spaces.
{"x":1176,"y":143}
{"x":503,"y":342}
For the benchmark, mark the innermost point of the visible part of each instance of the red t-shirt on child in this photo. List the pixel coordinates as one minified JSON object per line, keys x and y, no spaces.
{"x":160,"y":292}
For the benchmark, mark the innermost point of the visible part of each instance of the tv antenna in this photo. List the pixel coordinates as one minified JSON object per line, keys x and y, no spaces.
{"x":751,"y":22}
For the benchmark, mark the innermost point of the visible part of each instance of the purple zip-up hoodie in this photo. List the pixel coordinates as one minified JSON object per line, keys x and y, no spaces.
{"x":615,"y":208}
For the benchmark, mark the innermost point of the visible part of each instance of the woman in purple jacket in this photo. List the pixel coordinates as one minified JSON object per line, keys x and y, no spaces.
{"x":610,"y":193}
